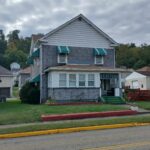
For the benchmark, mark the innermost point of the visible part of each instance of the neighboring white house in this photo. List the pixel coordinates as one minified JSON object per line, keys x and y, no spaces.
{"x":140,"y":79}
{"x":6,"y":82}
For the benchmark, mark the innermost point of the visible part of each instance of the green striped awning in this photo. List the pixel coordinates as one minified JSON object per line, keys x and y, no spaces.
{"x":63,"y":49}
{"x":100,"y":51}
{"x":36,"y":53}
{"x":30,"y":60}
{"x":35,"y":79}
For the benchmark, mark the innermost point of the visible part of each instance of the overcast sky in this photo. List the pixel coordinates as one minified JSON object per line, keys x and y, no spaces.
{"x":125,"y":21}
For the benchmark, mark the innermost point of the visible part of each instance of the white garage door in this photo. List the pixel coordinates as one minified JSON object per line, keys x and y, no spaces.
{"x":135,"y":84}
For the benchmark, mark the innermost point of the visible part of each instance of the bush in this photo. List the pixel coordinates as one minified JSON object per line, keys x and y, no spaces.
{"x":30,"y":94}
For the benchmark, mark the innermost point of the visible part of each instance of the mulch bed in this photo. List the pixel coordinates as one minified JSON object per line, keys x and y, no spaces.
{"x":73,"y":103}
{"x":87,"y":115}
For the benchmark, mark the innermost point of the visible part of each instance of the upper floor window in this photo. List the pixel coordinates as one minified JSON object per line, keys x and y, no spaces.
{"x":82,"y":80}
{"x":99,"y":55}
{"x":63,"y":52}
{"x":62,"y":80}
{"x":99,"y":60}
{"x":72,"y":80}
{"x":62,"y":59}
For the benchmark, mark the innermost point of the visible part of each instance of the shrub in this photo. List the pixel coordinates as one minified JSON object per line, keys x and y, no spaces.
{"x":30,"y":94}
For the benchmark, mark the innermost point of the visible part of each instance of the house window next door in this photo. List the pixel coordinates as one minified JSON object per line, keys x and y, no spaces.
{"x":109,"y":81}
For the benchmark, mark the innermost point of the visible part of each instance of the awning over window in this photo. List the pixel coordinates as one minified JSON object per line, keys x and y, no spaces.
{"x":36,"y":53}
{"x":35,"y":79}
{"x":63,"y":49}
{"x":30,"y":60}
{"x":100,"y":52}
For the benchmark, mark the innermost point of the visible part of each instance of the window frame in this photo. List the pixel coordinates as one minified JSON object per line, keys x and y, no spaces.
{"x":64,"y":80}
{"x":81,"y":80}
{"x":102,"y":62}
{"x":72,"y":80}
{"x":66,"y":58}
{"x":91,"y":80}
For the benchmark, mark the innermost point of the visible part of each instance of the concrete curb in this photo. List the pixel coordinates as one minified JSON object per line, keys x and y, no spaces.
{"x":69,"y":130}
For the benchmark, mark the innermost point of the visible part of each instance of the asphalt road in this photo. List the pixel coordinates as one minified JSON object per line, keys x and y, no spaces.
{"x":134,"y":138}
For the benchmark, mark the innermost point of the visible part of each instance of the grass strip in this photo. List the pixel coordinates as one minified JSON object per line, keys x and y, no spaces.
{"x":76,"y":123}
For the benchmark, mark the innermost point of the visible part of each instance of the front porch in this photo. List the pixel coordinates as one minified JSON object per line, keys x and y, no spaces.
{"x":110,"y":84}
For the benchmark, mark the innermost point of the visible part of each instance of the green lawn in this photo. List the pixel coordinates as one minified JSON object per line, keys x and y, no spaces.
{"x":143,"y":104}
{"x":13,"y":112}
{"x":76,"y":123}
{"x":16,"y":92}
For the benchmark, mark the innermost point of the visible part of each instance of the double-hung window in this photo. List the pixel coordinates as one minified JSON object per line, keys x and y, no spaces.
{"x":62,"y":59}
{"x":62,"y":80}
{"x":99,"y":60}
{"x":91,"y":80}
{"x":72,"y":80}
{"x":82,"y":80}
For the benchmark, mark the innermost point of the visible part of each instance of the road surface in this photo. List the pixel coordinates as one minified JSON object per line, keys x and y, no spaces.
{"x":134,"y":138}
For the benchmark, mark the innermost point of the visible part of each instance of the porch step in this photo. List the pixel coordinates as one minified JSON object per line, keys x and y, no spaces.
{"x":113,"y":100}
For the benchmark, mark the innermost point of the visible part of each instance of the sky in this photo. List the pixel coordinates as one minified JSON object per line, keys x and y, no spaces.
{"x":126,"y":21}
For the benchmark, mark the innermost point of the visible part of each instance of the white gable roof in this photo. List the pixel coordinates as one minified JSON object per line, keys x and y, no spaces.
{"x":134,"y":76}
{"x":79,"y":31}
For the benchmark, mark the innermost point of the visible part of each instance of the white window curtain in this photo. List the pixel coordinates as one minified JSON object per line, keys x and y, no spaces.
{"x":72,"y":80}
{"x":62,"y":80}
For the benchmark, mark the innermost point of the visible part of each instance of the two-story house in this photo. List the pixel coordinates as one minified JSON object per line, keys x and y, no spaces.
{"x":75,"y":61}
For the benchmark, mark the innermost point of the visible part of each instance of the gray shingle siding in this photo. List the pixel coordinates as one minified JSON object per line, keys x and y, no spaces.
{"x":67,"y":94}
{"x":43,"y":87}
{"x":77,"y":55}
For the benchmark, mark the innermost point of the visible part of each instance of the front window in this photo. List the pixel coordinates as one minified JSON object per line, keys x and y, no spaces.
{"x":62,"y":59}
{"x":91,"y":80}
{"x":82,"y":80}
{"x":62,"y":80}
{"x":72,"y":80}
{"x":99,"y":60}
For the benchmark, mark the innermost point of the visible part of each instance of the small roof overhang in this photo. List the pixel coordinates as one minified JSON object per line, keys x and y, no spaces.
{"x":63,"y":49}
{"x":86,"y":68}
{"x":100,"y":52}
{"x":36,"y":79}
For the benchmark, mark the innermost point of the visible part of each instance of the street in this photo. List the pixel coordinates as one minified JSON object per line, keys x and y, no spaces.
{"x":134,"y":138}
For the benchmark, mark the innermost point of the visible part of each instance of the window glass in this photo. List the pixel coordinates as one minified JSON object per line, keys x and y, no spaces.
{"x":62,"y":80}
{"x":62,"y":59}
{"x":72,"y":80}
{"x":81,"y":80}
{"x":99,"y":59}
{"x":91,"y":80}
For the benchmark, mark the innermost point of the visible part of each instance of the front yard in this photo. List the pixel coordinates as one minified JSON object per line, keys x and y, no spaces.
{"x":143,"y":104}
{"x":14,"y":112}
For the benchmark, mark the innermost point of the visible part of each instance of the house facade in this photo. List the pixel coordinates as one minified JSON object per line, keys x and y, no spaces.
{"x":6,"y":82}
{"x":75,"y":61}
{"x":24,"y":76}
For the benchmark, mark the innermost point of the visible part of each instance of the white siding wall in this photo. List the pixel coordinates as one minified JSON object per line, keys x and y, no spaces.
{"x":148,"y":83}
{"x":140,"y":81}
{"x":6,"y":81}
{"x":53,"y":78}
{"x":79,"y":34}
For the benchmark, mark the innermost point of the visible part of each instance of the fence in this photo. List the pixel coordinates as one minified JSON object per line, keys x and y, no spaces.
{"x":139,"y":95}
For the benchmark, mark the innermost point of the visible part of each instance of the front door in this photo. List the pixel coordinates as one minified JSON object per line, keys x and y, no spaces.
{"x":106,"y":87}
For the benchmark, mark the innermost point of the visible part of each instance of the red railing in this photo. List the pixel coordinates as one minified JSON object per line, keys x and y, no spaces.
{"x":143,"y":95}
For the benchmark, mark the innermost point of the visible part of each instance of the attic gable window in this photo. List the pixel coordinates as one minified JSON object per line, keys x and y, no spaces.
{"x":63,"y":52}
